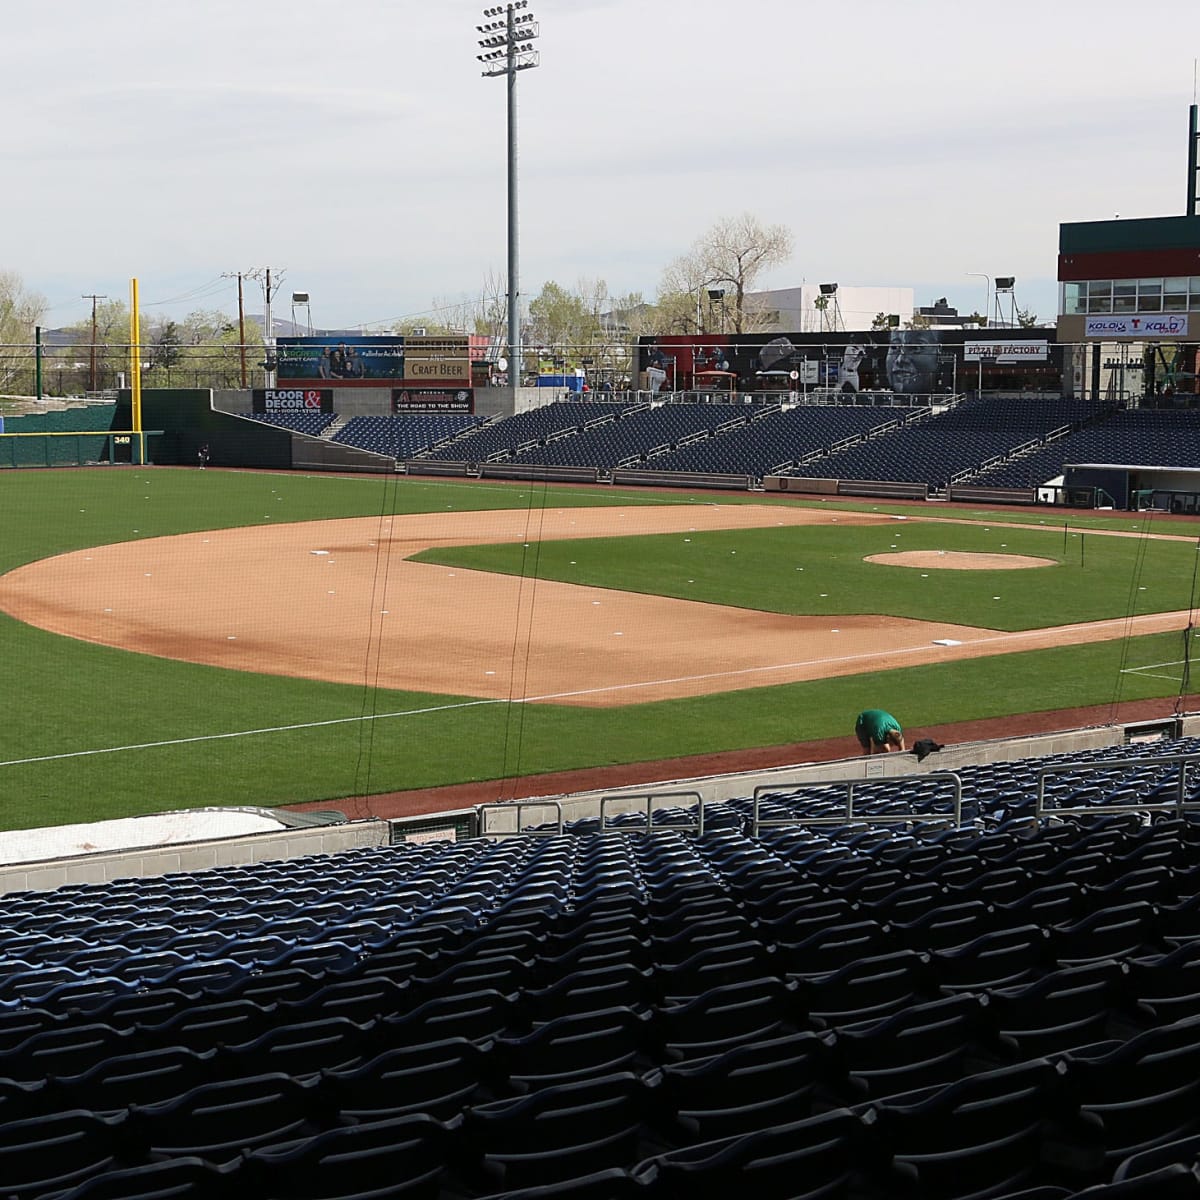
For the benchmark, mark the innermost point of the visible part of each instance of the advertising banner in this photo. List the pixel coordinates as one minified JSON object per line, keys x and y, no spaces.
{"x":875,"y":363}
{"x":1006,"y":351}
{"x":1137,"y":325}
{"x":418,"y":400}
{"x":445,"y":370}
{"x":346,"y":362}
{"x":267,"y":400}
{"x":437,"y":359}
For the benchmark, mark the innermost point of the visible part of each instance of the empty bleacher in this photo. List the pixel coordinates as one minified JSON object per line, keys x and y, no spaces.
{"x":998,"y":1008}
{"x":772,"y":439}
{"x":952,"y":443}
{"x":502,"y":438}
{"x":406,"y":435}
{"x":308,"y":421}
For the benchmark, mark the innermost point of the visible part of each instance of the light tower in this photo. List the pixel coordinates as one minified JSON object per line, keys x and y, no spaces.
{"x":506,"y":47}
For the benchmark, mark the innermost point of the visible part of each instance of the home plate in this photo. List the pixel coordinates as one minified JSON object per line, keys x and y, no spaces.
{"x":946,"y":642}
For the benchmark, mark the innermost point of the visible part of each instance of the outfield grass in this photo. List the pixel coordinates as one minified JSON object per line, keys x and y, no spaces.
{"x":190,"y":729}
{"x":821,"y":570}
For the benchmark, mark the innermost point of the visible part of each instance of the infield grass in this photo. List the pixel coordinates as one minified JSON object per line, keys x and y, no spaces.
{"x":117,"y":733}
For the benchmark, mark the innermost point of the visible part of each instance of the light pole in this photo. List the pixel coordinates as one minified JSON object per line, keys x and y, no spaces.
{"x":506,"y":45}
{"x":987,"y":290}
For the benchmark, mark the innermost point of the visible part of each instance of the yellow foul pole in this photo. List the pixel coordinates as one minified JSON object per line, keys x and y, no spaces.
{"x":135,"y":369}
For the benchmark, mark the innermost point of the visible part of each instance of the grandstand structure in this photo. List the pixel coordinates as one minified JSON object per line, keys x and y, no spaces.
{"x":1009,"y":448}
{"x":978,"y":980}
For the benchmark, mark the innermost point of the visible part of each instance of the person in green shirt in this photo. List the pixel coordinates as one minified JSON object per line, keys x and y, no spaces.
{"x":878,"y":732}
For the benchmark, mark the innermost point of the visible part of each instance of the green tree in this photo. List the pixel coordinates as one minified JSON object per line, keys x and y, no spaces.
{"x":166,"y":351}
{"x":1027,"y":318}
{"x":563,"y":321}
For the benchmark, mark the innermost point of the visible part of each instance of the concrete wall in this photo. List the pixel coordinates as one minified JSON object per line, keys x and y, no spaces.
{"x":882,"y":766}
{"x":150,"y":861}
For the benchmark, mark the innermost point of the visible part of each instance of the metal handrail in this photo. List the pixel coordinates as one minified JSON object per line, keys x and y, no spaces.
{"x":1180,"y":804}
{"x":852,"y":818}
{"x":696,"y":826}
{"x":517,"y":806}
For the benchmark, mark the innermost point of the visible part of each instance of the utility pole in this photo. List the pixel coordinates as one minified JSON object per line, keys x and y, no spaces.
{"x":92,"y":357}
{"x":270,"y":287}
{"x":241,"y":322}
{"x":242,"y":330}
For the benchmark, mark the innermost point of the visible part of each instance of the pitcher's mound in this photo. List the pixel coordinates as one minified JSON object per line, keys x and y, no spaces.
{"x":959,"y":560}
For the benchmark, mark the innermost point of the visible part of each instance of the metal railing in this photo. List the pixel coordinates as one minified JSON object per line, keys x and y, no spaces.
{"x":516,"y":807}
{"x":850,"y":817}
{"x":696,"y":826}
{"x":1179,"y":804}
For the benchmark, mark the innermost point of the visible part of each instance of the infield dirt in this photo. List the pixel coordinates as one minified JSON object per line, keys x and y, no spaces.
{"x":338,"y":601}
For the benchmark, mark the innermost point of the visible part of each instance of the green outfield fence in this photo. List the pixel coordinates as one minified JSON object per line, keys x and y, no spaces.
{"x":73,"y":448}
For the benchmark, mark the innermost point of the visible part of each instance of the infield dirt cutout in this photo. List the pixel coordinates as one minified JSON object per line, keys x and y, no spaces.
{"x":338,"y":600}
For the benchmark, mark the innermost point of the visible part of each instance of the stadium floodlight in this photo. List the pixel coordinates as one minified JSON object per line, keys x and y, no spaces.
{"x":1005,"y":283}
{"x":828,"y":289}
{"x":513,"y":52}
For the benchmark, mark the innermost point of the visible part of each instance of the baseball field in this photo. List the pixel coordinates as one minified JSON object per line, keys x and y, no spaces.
{"x":178,"y":638}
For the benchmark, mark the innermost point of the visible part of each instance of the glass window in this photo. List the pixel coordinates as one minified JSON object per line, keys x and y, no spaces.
{"x":1099,"y":295}
{"x":1124,"y":295}
{"x":1150,"y":295}
{"x":1194,"y":288}
{"x":1175,"y":295}
{"x":1074,"y":298}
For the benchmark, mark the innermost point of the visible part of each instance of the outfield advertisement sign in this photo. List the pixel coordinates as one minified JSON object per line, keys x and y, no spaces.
{"x":269,"y":400}
{"x":362,"y":361}
{"x":419,"y":400}
{"x":436,"y":360}
{"x":1145,"y":326}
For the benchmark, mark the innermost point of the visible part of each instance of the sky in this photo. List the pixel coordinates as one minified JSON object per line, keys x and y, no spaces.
{"x":356,"y":148}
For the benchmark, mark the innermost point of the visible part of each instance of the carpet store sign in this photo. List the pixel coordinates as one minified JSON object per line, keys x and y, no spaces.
{"x":1137,"y":325}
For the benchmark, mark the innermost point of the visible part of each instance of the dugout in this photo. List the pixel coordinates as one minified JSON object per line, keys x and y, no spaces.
{"x":1132,"y":486}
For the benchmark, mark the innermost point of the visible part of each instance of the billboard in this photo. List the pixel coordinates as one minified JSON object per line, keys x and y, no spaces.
{"x":267,"y":400}
{"x":1137,"y":325}
{"x":358,"y":361}
{"x":909,"y":362}
{"x":438,"y":359}
{"x":418,"y":400}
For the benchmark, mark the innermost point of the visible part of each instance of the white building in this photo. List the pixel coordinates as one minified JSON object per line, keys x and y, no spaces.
{"x":849,"y":308}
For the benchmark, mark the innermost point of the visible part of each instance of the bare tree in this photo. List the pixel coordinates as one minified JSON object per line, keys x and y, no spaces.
{"x":730,"y":258}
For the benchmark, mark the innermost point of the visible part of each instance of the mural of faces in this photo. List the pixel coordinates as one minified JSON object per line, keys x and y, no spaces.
{"x":912,"y":361}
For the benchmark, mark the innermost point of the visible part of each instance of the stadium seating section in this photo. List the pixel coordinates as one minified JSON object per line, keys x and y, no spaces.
{"x":989,"y":441}
{"x":1000,"y":1008}
{"x":301,"y":421}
